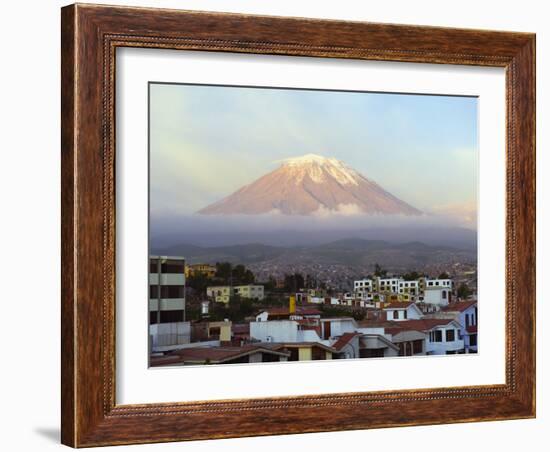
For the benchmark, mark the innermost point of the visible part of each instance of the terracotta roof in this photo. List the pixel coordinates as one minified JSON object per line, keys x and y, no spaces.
{"x":300,"y":310}
{"x":241,"y":328}
{"x":424,"y":324}
{"x":344,"y":340}
{"x":213,"y":354}
{"x":398,"y":305}
{"x":460,"y":306}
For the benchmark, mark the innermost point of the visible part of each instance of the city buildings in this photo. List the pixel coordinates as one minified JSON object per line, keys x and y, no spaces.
{"x":386,"y":316}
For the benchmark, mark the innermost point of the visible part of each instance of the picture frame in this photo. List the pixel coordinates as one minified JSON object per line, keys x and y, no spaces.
{"x":90,"y":36}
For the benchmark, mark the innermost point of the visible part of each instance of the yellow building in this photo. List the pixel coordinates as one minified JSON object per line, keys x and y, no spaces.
{"x":206,"y":269}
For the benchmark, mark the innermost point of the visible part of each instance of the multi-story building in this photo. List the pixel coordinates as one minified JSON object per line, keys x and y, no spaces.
{"x":166,"y":289}
{"x":387,"y":284}
{"x":167,"y":325}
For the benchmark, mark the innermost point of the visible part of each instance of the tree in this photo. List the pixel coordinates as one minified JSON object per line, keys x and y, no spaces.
{"x":379,"y":271}
{"x":294,"y":282}
{"x":463,"y":291}
{"x":411,"y":276}
{"x":198,"y":281}
{"x":443,"y":275}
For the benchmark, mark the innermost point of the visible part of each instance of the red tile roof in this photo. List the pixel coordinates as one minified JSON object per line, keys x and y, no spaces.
{"x":300,"y":310}
{"x":423,"y":324}
{"x":460,"y":306}
{"x":398,"y":305}
{"x":212,"y":354}
{"x":344,"y":340}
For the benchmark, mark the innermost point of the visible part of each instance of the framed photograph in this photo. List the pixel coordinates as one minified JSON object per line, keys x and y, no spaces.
{"x":281,"y":225}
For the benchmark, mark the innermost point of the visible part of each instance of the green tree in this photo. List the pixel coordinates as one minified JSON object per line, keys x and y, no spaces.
{"x":294,"y":282}
{"x":411,"y":276}
{"x":379,"y":271}
{"x":463,"y":291}
{"x":198,"y":281}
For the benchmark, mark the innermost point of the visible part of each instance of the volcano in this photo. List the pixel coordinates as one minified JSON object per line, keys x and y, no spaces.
{"x":308,"y":185}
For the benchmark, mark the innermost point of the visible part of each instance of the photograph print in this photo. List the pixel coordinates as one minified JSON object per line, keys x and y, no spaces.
{"x":292,"y":225}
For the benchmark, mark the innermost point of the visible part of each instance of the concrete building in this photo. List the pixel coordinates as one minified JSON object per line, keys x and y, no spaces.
{"x":167,"y":325}
{"x":166,"y":289}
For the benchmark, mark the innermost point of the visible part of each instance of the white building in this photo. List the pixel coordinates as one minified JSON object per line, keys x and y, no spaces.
{"x":283,"y":331}
{"x":409,"y":287}
{"x":388,"y":284}
{"x":363,"y":285}
{"x":437,"y":295}
{"x":402,"y":311}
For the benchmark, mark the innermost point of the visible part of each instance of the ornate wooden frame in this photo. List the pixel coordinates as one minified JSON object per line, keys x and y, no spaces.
{"x":90,"y":35}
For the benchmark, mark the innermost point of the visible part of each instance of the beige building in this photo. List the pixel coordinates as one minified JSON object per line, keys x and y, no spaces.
{"x":222,"y":294}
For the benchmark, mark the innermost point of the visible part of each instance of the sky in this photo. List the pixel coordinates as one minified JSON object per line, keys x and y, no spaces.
{"x":208,"y":141}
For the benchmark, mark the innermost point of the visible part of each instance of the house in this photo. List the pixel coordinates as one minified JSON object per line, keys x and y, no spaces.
{"x":336,"y":326}
{"x":293,"y":313}
{"x":362,"y":344}
{"x":443,"y":335}
{"x":410,"y":341}
{"x":205,"y":330}
{"x":347,"y":345}
{"x":306,"y":351}
{"x":282,"y":331}
{"x":402,"y":311}
{"x":466,"y":314}
{"x":437,"y":295}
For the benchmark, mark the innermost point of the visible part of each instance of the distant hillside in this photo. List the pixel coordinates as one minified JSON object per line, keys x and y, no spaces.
{"x":352,"y":252}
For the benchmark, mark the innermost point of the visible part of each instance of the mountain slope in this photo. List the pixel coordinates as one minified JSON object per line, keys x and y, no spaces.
{"x":311,"y":184}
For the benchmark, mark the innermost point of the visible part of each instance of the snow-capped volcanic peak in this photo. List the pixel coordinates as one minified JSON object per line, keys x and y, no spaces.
{"x":318,"y":168}
{"x":307,"y":185}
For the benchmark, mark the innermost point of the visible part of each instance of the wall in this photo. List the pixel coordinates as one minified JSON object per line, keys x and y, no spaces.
{"x":30,"y":194}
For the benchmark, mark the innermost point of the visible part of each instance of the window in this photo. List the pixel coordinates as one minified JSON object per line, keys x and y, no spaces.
{"x":417,"y":346}
{"x":405,"y":314}
{"x":173,"y":266}
{"x":467,"y":320}
{"x":172,"y":291}
{"x":450,"y":335}
{"x":444,"y":295}
{"x":395,"y":314}
{"x":473,"y":340}
{"x":438,"y":336}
